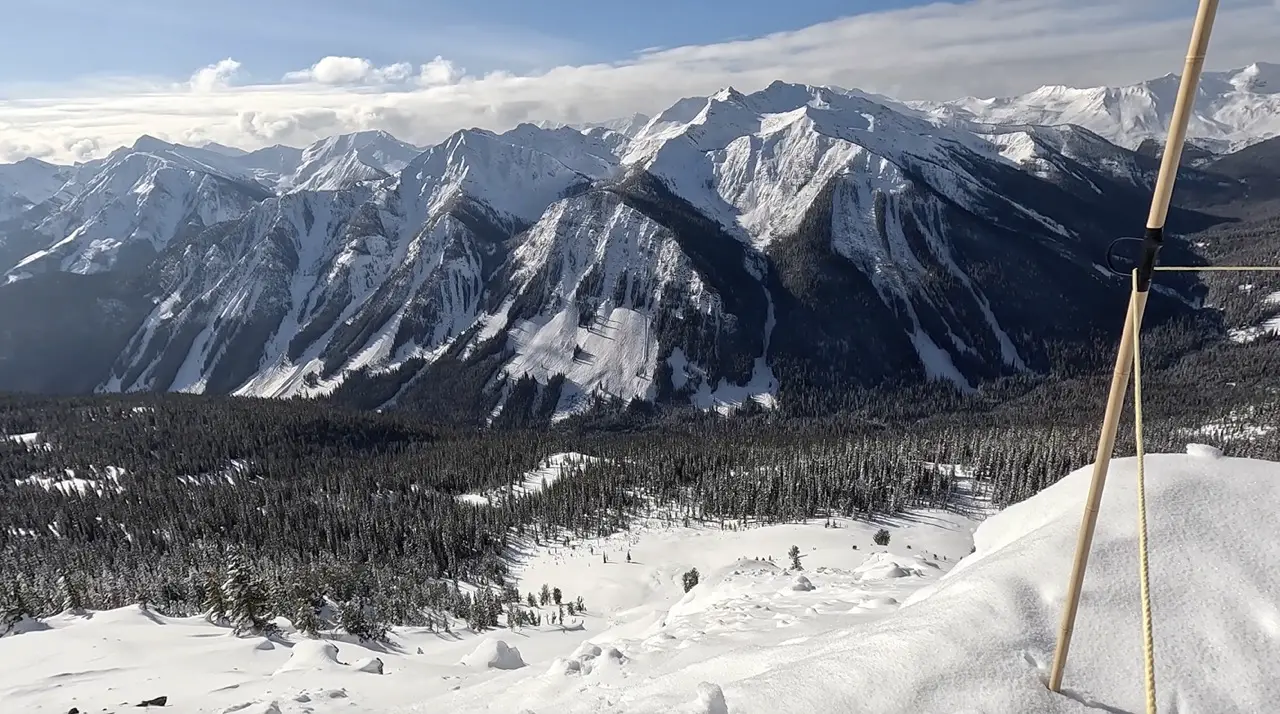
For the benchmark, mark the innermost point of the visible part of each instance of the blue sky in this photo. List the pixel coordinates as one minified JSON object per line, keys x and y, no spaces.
{"x":79,"y":78}
{"x":174,"y":37}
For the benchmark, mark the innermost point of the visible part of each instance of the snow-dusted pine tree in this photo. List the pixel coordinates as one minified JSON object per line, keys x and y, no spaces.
{"x":214,"y":603}
{"x":14,"y":608}
{"x":247,"y":599}
{"x":306,"y":620}
{"x":70,"y":595}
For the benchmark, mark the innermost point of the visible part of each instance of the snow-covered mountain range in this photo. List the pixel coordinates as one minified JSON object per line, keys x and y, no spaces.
{"x":1233,"y":109}
{"x":731,"y":248}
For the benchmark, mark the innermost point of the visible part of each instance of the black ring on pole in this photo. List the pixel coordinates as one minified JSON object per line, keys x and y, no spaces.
{"x":1152,"y":240}
{"x":1111,"y":256}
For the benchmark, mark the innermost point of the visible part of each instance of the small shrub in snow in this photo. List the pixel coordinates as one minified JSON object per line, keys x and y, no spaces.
{"x":881,"y":537}
{"x":690,"y":579}
{"x":557,"y":596}
{"x":794,"y":553}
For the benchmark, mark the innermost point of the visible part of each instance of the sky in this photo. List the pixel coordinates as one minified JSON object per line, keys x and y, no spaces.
{"x":79,"y":78}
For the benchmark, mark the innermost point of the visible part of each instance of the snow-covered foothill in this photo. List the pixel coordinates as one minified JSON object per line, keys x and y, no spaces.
{"x":922,"y":625}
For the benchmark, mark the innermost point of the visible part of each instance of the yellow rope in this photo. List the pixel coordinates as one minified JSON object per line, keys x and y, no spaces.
{"x":1148,"y":640}
{"x":1217,"y":268}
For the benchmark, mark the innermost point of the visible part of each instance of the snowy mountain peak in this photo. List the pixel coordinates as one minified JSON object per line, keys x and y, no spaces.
{"x":1233,"y":108}
{"x":348,"y":159}
{"x":1258,"y":78}
{"x":27,"y":183}
{"x":150,"y":144}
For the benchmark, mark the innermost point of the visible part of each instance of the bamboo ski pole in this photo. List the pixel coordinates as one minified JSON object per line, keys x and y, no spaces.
{"x":1153,"y":238}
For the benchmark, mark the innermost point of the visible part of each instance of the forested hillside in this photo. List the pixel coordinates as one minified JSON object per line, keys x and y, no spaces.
{"x":166,"y":499}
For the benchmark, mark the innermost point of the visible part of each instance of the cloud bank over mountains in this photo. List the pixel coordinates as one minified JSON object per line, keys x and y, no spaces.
{"x":937,"y":51}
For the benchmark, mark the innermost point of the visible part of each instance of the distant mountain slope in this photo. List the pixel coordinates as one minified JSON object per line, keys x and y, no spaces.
{"x":27,"y":183}
{"x":785,"y":245}
{"x":1233,"y":108}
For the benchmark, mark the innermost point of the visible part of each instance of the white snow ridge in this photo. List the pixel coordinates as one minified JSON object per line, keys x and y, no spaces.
{"x":922,"y":625}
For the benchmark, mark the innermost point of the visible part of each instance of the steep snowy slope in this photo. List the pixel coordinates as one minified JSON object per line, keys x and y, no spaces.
{"x":342,"y":161}
{"x":855,"y":203}
{"x":122,"y":212}
{"x":311,"y":285}
{"x":27,"y":183}
{"x":626,"y":126}
{"x":1233,"y":108}
{"x":738,"y":246}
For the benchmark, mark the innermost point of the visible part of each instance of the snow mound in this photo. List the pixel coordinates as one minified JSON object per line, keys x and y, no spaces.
{"x":24,"y":625}
{"x":494,"y":654}
{"x":983,"y":639}
{"x":883,"y":566}
{"x":372,"y":665}
{"x":1204,"y":451}
{"x":874,"y":603}
{"x":271,"y":707}
{"x":309,"y":655}
{"x":801,"y":585}
{"x":561,"y":667}
{"x":753,"y":566}
{"x":710,"y":700}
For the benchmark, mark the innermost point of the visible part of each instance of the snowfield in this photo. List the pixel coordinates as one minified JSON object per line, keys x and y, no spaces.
{"x":922,"y":625}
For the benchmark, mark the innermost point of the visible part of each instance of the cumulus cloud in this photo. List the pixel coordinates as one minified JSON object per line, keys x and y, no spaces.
{"x":216,"y":76}
{"x":938,"y":51}
{"x":347,"y":71}
{"x":440,"y":71}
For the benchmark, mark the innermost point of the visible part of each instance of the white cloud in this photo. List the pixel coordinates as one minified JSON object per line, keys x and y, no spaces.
{"x":440,"y":71}
{"x":216,"y":76}
{"x":938,"y":51}
{"x":339,"y":71}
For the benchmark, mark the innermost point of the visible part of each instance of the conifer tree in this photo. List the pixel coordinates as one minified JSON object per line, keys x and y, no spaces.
{"x":247,"y":601}
{"x":215,"y":602}
{"x":71,"y":598}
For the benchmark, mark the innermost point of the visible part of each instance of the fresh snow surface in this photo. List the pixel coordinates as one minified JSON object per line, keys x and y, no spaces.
{"x":547,"y":473}
{"x":916,"y":627}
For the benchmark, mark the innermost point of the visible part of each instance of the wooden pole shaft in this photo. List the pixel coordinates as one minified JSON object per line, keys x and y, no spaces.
{"x":1102,"y":461}
{"x":1161,"y":195}
{"x":1182,"y":109}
